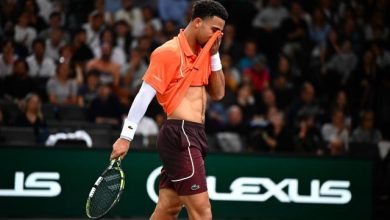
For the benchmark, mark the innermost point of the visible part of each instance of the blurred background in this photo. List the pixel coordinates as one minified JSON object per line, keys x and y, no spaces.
{"x":307,"y":99}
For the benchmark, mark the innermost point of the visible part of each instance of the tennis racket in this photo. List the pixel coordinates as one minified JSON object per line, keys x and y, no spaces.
{"x":106,"y":191}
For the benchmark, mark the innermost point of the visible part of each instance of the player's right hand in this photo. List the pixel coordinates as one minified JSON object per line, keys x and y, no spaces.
{"x":120,"y":148}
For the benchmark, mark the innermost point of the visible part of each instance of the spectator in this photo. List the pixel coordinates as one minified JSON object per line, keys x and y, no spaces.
{"x":82,"y":52}
{"x":35,"y":20}
{"x":341,"y":103}
{"x":250,"y":52}
{"x":148,"y":15}
{"x":231,"y":135}
{"x":109,"y":71}
{"x":232,"y":79}
{"x":174,"y":10}
{"x":23,"y":33}
{"x":342,"y":64}
{"x":39,"y":64}
{"x":87,"y":92}
{"x":19,"y":84}
{"x":8,"y":13}
{"x":376,"y":30}
{"x":230,"y":44}
{"x":268,"y":102}
{"x":366,"y":132}
{"x":284,"y":91}
{"x":54,"y":44}
{"x":276,"y":137}
{"x":31,"y":116}
{"x":257,"y":75}
{"x":133,"y":72}
{"x":93,"y":28}
{"x":61,"y":89}
{"x":133,"y":16}
{"x":267,"y":24}
{"x":55,"y":22}
{"x":118,"y":54}
{"x":246,"y":100}
{"x":336,"y":134}
{"x":318,"y":31}
{"x":294,"y":30}
{"x":123,"y":36}
{"x":307,"y":138}
{"x":105,"y":108}
{"x":306,"y":104}
{"x":7,"y":58}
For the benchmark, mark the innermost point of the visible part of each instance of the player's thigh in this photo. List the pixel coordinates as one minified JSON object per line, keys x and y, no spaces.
{"x":168,"y":202}
{"x":198,"y":205}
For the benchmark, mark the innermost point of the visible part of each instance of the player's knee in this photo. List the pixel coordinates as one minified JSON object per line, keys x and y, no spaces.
{"x":202,"y":212}
{"x":171,"y":211}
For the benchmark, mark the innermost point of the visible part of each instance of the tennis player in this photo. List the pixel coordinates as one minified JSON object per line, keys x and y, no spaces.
{"x":181,"y":73}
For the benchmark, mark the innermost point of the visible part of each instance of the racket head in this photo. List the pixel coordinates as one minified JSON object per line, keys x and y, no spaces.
{"x":106,"y":191}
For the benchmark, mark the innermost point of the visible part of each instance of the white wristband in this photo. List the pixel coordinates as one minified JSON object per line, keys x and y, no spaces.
{"x":128,"y":130}
{"x":215,"y":62}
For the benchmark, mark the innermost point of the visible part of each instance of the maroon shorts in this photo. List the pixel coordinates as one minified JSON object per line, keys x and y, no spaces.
{"x":182,"y":145}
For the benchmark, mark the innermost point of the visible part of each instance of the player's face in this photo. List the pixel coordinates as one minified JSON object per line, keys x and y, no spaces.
{"x":207,"y":27}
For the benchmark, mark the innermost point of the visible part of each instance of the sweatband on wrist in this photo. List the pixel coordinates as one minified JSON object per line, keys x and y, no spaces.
{"x":215,"y":62}
{"x":128,"y":130}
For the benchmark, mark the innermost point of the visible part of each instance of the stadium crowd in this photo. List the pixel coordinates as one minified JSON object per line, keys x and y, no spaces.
{"x":301,"y":76}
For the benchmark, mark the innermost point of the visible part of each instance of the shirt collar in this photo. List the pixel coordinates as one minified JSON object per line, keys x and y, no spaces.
{"x":185,"y":47}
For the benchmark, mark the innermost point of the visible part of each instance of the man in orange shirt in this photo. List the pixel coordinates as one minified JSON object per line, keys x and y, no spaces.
{"x":180,"y":73}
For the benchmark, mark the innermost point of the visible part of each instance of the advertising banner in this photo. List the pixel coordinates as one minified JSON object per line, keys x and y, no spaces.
{"x":54,"y":183}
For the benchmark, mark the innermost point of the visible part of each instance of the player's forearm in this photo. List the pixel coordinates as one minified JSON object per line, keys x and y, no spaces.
{"x":216,"y":87}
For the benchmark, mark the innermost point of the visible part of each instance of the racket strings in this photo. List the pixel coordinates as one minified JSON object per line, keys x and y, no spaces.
{"x":106,"y":193}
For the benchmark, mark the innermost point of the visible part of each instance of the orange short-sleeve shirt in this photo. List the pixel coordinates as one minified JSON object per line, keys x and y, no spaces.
{"x":170,"y":64}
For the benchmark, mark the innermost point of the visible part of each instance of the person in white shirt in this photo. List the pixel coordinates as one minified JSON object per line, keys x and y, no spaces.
{"x":39,"y":65}
{"x":93,"y":28}
{"x":54,"y":44}
{"x":7,"y":58}
{"x":133,"y":16}
{"x":23,"y":33}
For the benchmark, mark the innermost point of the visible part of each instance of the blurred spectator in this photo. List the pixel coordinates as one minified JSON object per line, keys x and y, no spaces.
{"x":231,"y":135}
{"x":382,"y":55}
{"x":364,"y":82}
{"x":342,"y":64}
{"x":118,"y":54}
{"x":336,"y":134}
{"x":82,"y":52}
{"x":38,"y":63}
{"x":61,"y":89}
{"x":340,"y":102}
{"x":8,"y":15}
{"x":55,"y":22}
{"x":250,"y":52}
{"x":305,"y":104}
{"x":123,"y":36}
{"x":284,"y":91}
{"x":19,"y":83}
{"x":267,"y":26}
{"x":87,"y":92}
{"x":133,"y":72}
{"x":174,"y":10}
{"x":257,"y":75}
{"x":105,"y":108}
{"x":366,"y":132}
{"x":268,"y":102}
{"x":23,"y":33}
{"x":93,"y":28}
{"x":246,"y":100}
{"x":54,"y":43}
{"x":318,"y":31}
{"x":31,"y":113}
{"x":307,"y":138}
{"x":230,"y":44}
{"x":100,"y":6}
{"x":132,"y":15}
{"x":149,"y":17}
{"x":376,"y":30}
{"x":276,"y":137}
{"x":169,"y":30}
{"x":31,"y":116}
{"x":35,"y":20}
{"x":109,"y":70}
{"x":232,"y":79}
{"x":7,"y":58}
{"x":294,"y":30}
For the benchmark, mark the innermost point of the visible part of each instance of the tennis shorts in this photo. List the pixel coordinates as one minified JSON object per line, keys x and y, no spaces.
{"x":182,"y":146}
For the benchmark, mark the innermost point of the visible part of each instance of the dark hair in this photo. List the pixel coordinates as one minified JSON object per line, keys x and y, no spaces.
{"x":208,"y":8}
{"x":38,"y":41}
